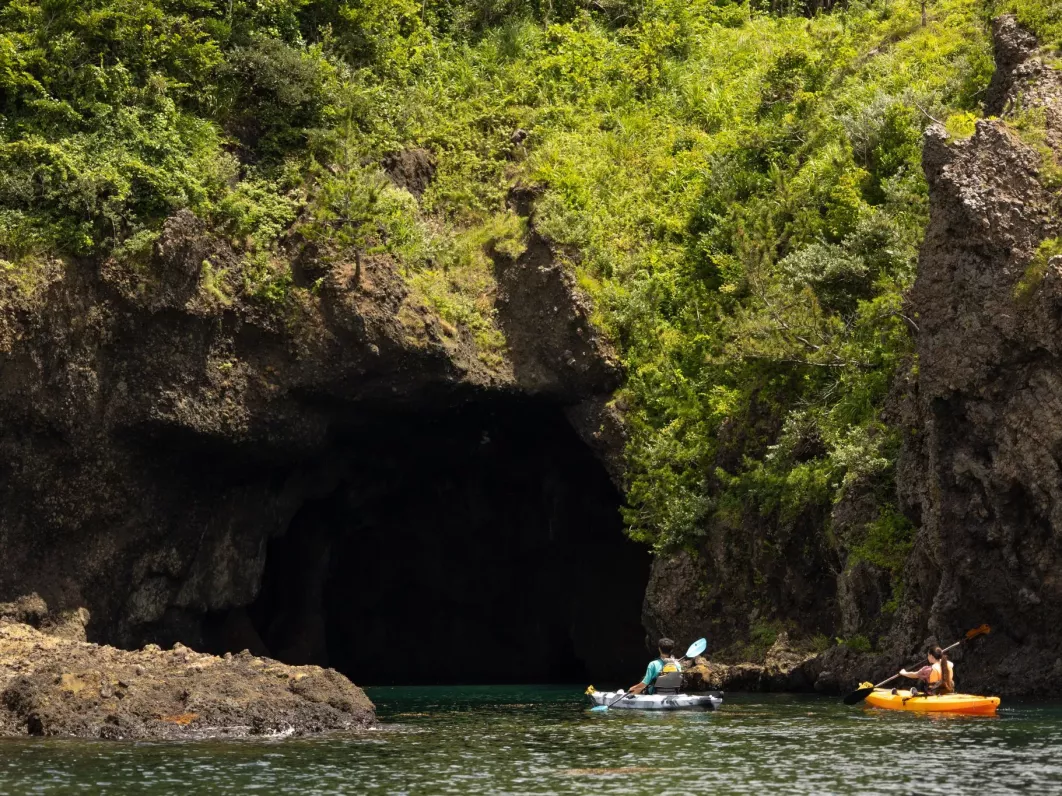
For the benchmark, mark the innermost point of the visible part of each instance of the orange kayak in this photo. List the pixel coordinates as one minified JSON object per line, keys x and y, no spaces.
{"x":969,"y":704}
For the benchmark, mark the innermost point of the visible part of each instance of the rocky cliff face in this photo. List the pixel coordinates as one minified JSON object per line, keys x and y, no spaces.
{"x":317,"y":480}
{"x":157,"y":431}
{"x":982,"y":467}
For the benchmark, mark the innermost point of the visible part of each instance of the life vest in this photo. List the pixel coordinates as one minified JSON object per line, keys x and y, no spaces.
{"x":936,"y":680}
{"x":935,"y":675}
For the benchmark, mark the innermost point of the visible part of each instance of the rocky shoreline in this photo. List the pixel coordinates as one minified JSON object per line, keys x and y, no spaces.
{"x":55,"y":686}
{"x":784,"y":668}
{"x":787,"y":668}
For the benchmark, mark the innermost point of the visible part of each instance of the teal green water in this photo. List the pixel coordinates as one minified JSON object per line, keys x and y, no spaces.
{"x":543,"y":740}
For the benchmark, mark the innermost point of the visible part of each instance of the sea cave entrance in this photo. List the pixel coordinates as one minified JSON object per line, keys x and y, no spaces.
{"x":481,"y":544}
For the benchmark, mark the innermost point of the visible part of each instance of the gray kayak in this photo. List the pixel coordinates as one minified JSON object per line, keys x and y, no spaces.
{"x":657,"y":701}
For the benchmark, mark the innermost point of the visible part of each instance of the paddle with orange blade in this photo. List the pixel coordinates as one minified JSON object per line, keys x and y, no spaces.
{"x":860,"y":694}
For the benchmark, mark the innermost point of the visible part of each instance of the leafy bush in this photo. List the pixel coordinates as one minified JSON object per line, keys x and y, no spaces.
{"x":886,"y":542}
{"x":857,"y":643}
{"x":737,"y":186}
{"x":836,"y":276}
{"x":275,"y":95}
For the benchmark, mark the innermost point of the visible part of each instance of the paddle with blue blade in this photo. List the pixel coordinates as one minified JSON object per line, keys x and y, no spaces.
{"x":696,"y":648}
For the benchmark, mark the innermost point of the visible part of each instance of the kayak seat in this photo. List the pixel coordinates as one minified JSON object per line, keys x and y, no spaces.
{"x":668,"y":683}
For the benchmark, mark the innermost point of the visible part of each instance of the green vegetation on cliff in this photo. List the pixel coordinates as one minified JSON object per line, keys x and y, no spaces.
{"x":738,"y":189}
{"x":1042,"y":17}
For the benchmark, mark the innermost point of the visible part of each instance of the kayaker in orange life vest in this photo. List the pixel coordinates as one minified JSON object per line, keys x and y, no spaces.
{"x":936,"y":678}
{"x":665,"y":663}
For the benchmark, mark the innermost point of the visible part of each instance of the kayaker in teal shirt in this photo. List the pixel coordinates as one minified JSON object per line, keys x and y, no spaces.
{"x":664,"y":663}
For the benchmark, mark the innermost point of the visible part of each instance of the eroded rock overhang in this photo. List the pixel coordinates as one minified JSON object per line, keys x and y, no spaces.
{"x":159,"y":445}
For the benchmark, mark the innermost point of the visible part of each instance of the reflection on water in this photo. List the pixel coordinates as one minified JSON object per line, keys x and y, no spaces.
{"x":543,"y":740}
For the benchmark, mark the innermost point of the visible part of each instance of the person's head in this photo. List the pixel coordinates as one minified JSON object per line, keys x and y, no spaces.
{"x":937,"y":655}
{"x":665,"y":645}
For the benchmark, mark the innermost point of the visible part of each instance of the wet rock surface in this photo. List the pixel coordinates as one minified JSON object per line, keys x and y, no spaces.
{"x":51,"y":686}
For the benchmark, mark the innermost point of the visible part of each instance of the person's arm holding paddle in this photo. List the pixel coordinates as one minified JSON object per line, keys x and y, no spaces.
{"x":651,"y":673}
{"x":921,"y":674}
{"x":654,"y":669}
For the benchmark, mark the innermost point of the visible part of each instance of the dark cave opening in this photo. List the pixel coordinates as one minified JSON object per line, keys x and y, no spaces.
{"x":479,"y":545}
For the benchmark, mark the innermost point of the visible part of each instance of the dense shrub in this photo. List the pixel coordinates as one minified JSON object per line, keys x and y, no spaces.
{"x":738,"y":186}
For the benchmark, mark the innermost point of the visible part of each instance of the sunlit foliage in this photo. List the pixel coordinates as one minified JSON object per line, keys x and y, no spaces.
{"x":737,"y":186}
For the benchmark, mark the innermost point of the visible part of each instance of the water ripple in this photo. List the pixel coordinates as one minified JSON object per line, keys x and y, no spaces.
{"x":524,"y":740}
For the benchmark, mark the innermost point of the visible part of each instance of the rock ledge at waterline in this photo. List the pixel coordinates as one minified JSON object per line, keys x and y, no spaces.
{"x":64,"y":687}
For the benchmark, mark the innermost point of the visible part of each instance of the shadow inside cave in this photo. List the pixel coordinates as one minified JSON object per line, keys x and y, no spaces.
{"x":482,"y":545}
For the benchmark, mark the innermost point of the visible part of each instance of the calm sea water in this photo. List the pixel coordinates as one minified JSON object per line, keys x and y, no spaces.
{"x":542,"y":740}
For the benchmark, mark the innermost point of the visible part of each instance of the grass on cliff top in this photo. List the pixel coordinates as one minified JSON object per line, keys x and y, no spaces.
{"x":740,"y":192}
